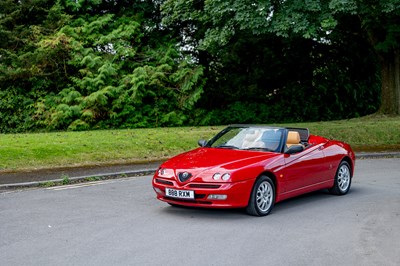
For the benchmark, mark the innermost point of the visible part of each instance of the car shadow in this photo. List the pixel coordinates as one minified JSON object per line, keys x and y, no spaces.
{"x":198,"y":212}
{"x":313,"y":198}
{"x":300,"y":202}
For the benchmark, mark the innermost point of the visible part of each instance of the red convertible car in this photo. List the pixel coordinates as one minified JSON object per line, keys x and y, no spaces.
{"x":254,"y":167}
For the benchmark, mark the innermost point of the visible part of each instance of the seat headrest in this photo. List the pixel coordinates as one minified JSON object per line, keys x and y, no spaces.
{"x":293,"y":137}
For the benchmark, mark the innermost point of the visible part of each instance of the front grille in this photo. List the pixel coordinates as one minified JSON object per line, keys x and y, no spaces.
{"x":164,"y":182}
{"x":204,"y":186}
{"x":184,"y":176}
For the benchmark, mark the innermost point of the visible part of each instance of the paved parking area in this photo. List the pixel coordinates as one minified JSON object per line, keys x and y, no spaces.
{"x":119,"y":222}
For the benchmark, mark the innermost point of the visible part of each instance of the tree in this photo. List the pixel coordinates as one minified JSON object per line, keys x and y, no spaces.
{"x":256,"y":57}
{"x":125,"y":71}
{"x":91,"y":64}
{"x":378,"y":20}
{"x":29,"y":67}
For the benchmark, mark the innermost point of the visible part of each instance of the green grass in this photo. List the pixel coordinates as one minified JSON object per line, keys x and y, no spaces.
{"x":68,"y":149}
{"x":370,"y":134}
{"x":59,"y":149}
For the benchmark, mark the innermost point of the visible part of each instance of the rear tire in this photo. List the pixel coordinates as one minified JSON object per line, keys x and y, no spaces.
{"x":262,"y":197}
{"x":342,"y":179}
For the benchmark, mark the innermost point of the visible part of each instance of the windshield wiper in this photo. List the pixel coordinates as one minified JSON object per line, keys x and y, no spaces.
{"x":227,"y":147}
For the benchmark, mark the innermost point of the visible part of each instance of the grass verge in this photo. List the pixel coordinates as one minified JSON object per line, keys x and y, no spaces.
{"x":60,"y":149}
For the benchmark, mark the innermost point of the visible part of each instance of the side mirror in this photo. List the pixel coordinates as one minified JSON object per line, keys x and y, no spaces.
{"x":202,"y":142}
{"x":295,"y":149}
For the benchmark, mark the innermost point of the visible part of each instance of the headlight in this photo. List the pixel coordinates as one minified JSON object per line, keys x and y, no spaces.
{"x":216,"y":176}
{"x":226,"y":176}
{"x":165,"y":172}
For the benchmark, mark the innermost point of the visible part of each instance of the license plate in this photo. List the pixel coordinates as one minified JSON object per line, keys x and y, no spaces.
{"x":181,"y":194}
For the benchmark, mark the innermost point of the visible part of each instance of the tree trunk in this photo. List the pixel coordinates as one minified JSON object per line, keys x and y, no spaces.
{"x":390,"y":73}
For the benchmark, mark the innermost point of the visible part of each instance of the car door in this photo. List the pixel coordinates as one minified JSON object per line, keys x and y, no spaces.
{"x":304,"y":170}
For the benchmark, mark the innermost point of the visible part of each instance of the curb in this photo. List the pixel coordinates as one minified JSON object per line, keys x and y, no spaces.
{"x":147,"y":171}
{"x":78,"y":179}
{"x":362,"y":155}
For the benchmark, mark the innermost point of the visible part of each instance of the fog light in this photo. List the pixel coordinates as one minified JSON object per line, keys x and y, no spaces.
{"x":157,"y":190}
{"x":217,"y":197}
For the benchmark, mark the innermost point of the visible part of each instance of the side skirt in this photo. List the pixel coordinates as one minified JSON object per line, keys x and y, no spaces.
{"x":304,"y":190}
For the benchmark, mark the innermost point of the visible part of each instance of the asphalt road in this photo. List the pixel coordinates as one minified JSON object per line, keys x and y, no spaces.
{"x":119,"y":222}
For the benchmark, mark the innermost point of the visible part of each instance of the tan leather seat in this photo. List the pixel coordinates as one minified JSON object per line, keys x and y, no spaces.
{"x":293,"y":138}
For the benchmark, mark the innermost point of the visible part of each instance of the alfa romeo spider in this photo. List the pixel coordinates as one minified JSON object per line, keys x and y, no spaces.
{"x":253,"y":167}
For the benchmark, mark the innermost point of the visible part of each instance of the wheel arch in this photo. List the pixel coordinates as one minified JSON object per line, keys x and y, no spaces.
{"x":254,"y":204}
{"x":273,"y":178}
{"x":350,"y":162}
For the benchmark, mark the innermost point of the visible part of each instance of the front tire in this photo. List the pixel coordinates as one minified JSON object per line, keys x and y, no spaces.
{"x":342,"y":179}
{"x":262,"y":197}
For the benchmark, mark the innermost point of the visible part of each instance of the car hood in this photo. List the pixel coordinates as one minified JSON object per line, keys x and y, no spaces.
{"x":201,"y":159}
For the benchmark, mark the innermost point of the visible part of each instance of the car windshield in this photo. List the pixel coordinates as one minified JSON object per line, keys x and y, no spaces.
{"x":248,"y":138}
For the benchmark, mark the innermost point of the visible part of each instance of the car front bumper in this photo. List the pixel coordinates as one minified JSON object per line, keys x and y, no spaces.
{"x":237,"y":193}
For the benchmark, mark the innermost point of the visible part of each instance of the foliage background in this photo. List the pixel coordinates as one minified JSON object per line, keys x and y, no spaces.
{"x":94,"y":64}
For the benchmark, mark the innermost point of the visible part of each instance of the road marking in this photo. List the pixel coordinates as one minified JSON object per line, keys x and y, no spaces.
{"x":88,"y":184}
{"x":93,"y":183}
{"x":9,"y":192}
